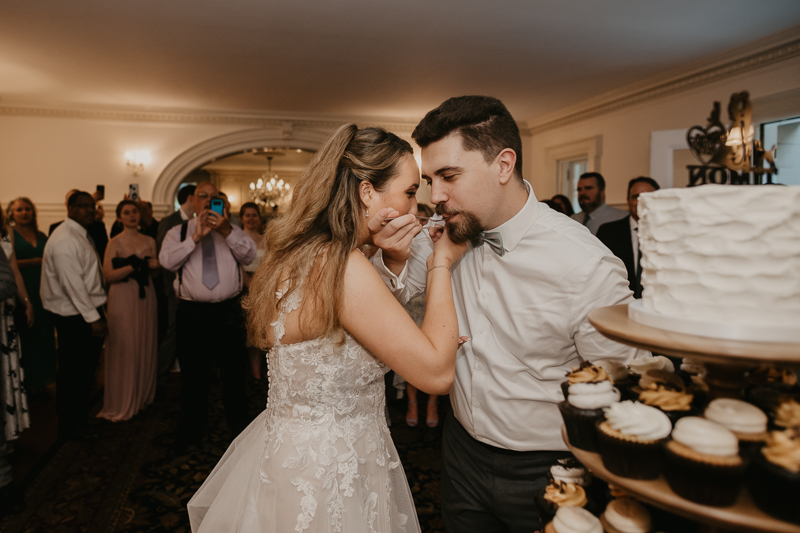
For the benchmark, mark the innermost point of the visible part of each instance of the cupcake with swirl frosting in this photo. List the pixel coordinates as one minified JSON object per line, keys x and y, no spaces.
{"x":748,"y":422}
{"x":574,"y":520}
{"x":657,"y":362}
{"x":631,"y":439}
{"x":556,"y":495}
{"x":626,"y":515}
{"x":775,"y":478}
{"x":703,"y":463}
{"x":585,"y":373}
{"x":584,"y":407}
{"x":787,"y":414}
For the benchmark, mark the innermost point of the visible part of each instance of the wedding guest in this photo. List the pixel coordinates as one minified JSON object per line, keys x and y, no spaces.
{"x":10,"y":496}
{"x":39,"y":339}
{"x":132,"y":347}
{"x":72,"y":290}
{"x":523,"y":291}
{"x":622,"y":236}
{"x":14,"y":314}
{"x":592,"y":199}
{"x":98,"y":236}
{"x":148,"y":225}
{"x":566,"y":205}
{"x":253,"y":226}
{"x":166,"y":348}
{"x":207,"y":253}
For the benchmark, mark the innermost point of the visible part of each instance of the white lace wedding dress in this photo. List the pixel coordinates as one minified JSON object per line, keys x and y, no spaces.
{"x":320,"y":458}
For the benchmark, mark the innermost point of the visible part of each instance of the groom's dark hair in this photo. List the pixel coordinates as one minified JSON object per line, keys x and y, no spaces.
{"x":483,"y":122}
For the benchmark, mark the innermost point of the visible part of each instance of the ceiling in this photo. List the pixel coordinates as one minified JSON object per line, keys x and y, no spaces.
{"x":368,"y":58}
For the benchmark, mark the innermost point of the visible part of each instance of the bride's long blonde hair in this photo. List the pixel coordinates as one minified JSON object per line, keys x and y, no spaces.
{"x":311,"y":243}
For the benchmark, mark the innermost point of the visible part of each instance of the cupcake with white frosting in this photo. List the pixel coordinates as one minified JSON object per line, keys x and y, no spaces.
{"x":631,"y":439}
{"x":574,"y":520}
{"x":656,"y":362}
{"x":748,"y":422}
{"x":556,"y":495}
{"x":585,"y":373}
{"x":626,"y":515}
{"x":775,"y":477}
{"x":584,"y":407}
{"x":703,"y":463}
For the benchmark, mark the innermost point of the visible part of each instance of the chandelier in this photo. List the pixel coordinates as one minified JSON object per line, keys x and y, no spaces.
{"x":270,"y":190}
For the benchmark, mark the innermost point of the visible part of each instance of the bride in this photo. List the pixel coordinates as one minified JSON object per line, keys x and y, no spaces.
{"x":320,"y":457}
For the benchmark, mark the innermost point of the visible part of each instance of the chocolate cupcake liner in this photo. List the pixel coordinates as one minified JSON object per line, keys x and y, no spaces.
{"x":704,"y":483}
{"x":634,"y":460}
{"x":774,"y":490}
{"x":565,"y":388}
{"x":581,"y":425}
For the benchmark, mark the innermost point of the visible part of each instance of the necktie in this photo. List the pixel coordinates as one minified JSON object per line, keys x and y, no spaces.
{"x":494,"y":240}
{"x":586,"y":220}
{"x":210,"y":273}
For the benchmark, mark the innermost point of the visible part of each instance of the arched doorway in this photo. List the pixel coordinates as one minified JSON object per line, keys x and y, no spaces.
{"x":167,"y":184}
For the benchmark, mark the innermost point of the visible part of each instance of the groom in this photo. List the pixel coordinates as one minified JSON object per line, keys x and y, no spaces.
{"x":523,"y":290}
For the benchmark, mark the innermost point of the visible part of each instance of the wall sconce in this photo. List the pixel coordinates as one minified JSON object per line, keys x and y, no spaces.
{"x":136,"y":160}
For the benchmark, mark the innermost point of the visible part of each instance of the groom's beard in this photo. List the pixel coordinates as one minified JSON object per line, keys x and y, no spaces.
{"x":469,"y":228}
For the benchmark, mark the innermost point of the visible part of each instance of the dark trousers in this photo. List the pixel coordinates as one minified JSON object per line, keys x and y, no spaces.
{"x":208,"y":335}
{"x":78,"y":356}
{"x":487,"y":489}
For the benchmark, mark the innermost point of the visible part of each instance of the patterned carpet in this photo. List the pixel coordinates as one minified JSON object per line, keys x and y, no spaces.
{"x":127,"y":480}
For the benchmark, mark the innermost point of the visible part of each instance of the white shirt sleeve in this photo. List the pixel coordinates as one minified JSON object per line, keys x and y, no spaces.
{"x":413,"y":279}
{"x":174,"y":253}
{"x":605,"y":284}
{"x":242,"y":246}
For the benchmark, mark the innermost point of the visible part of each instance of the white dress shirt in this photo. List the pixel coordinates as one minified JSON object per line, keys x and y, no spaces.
{"x":231,"y":251}
{"x":526,"y":315}
{"x":72,"y":279}
{"x":601,"y":215}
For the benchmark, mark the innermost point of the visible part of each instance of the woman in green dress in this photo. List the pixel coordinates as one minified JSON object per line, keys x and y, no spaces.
{"x":39,"y":340}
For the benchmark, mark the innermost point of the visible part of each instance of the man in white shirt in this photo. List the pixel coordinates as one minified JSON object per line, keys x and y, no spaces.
{"x":622,"y":236}
{"x":166,"y":350}
{"x":207,"y":253}
{"x":522,"y":291}
{"x":592,"y":199}
{"x":72,"y":290}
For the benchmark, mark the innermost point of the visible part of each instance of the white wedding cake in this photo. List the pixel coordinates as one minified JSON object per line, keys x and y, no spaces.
{"x":723,"y":254}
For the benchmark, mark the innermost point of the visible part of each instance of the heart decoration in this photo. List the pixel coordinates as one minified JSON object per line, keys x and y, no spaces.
{"x":705,"y":143}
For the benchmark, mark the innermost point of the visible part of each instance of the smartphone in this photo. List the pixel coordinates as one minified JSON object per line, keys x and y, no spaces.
{"x":217,"y":205}
{"x":133,"y":192}
{"x":101,"y":192}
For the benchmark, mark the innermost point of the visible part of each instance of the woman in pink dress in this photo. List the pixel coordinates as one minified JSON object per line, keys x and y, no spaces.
{"x":132,"y":344}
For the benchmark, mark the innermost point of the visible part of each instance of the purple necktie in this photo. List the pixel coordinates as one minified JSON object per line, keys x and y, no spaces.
{"x":210,"y":272}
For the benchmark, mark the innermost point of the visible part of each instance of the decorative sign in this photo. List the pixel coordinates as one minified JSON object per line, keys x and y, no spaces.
{"x":730,"y":155}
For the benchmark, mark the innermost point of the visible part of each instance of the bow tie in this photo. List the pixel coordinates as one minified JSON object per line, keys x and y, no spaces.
{"x":494,"y":240}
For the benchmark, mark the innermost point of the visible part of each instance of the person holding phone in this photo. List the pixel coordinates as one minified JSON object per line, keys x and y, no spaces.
{"x":207,"y":253}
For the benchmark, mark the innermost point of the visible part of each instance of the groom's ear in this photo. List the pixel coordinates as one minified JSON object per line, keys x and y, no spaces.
{"x":506,"y":161}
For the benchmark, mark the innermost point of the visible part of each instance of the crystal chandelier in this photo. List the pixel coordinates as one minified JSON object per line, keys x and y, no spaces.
{"x":270,"y":190}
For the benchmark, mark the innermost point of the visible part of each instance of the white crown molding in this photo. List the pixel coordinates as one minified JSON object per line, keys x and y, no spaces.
{"x":286,"y":121}
{"x":773,"y":49}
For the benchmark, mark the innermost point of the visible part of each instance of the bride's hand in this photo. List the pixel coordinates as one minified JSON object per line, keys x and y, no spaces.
{"x":445,"y":251}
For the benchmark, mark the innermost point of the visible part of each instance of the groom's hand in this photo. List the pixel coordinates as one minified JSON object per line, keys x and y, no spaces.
{"x":394,"y":237}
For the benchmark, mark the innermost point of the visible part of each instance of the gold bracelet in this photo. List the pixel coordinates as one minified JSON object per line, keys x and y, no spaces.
{"x":440,"y":266}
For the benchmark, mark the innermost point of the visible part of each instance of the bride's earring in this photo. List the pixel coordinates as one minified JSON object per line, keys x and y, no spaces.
{"x":367,"y":214}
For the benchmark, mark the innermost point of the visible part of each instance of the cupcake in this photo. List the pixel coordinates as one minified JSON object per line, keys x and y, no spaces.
{"x":656,"y":362}
{"x":673,"y":401}
{"x":631,"y":439}
{"x":775,"y":478}
{"x":787,"y":414}
{"x":626,"y":515}
{"x":617,"y":372}
{"x":570,"y":470}
{"x":574,"y":520}
{"x":585,"y":373}
{"x":583,"y":408}
{"x":702,"y":462}
{"x":746,"y":421}
{"x":557,"y":495}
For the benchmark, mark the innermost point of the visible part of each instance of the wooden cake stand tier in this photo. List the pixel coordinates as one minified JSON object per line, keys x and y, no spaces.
{"x":744,"y":516}
{"x":613,"y":322}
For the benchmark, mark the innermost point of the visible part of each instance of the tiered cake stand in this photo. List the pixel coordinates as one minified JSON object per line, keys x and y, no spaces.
{"x":729,"y":361}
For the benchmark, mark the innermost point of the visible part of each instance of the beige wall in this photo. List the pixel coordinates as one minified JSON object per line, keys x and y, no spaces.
{"x":626,"y":132}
